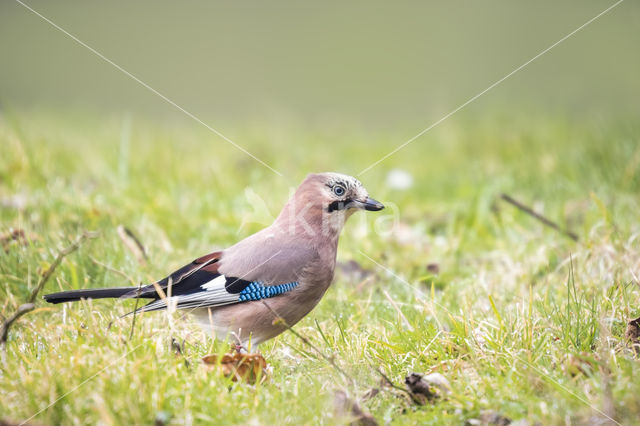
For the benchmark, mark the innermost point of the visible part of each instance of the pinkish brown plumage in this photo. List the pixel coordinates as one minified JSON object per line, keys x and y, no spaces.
{"x":284,"y":269}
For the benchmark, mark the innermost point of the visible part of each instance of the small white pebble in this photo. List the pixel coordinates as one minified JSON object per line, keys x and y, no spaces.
{"x":399,"y":179}
{"x":439,"y":381}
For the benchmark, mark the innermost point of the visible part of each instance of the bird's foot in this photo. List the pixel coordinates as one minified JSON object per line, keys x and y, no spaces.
{"x":239,"y":348}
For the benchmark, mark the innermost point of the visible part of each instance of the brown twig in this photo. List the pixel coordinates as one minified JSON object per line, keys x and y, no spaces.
{"x":30,"y":305}
{"x":331,"y":361}
{"x":394,"y":386}
{"x":133,"y":243}
{"x":61,"y":255}
{"x":306,"y":341}
{"x":538,"y":216}
{"x":22,"y":309}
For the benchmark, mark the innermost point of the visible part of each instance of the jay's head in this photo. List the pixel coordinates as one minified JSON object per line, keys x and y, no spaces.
{"x":327,"y":200}
{"x":344,"y":193}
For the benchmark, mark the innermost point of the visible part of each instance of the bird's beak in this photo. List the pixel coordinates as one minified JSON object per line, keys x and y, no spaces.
{"x":371,"y":205}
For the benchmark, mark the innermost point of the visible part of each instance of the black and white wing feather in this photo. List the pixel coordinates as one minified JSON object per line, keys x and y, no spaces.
{"x":201,"y":285}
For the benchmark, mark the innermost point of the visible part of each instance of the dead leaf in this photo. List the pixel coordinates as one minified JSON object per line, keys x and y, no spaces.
{"x":633,"y":334}
{"x":238,"y":366}
{"x":15,"y":237}
{"x":427,"y":387}
{"x":419,"y":388}
{"x":345,"y":407}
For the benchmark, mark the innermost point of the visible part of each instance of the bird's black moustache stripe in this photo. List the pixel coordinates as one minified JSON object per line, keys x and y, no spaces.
{"x":338,"y":205}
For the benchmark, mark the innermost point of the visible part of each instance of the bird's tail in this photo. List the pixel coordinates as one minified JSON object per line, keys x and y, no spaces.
{"x":97,"y":293}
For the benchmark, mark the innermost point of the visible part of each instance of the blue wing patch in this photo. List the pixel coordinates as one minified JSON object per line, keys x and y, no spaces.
{"x":256,"y":290}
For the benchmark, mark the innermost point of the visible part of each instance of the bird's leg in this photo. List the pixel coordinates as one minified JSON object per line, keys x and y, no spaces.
{"x":238,"y":347}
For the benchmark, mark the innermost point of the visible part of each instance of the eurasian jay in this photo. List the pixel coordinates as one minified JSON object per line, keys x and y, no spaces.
{"x":281,"y":271}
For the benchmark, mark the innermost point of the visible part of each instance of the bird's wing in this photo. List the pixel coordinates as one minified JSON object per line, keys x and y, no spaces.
{"x":183,"y":279}
{"x":233,"y":276}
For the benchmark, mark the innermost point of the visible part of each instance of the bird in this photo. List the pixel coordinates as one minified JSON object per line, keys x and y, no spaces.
{"x":265,"y":283}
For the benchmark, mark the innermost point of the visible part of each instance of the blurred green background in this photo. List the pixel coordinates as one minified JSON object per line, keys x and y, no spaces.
{"x":383,"y":65}
{"x":318,"y":87}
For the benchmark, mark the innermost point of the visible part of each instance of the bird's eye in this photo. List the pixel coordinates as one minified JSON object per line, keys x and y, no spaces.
{"x":339,"y":190}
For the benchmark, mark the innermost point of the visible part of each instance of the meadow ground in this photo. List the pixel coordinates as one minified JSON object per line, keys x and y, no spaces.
{"x":521,"y":320}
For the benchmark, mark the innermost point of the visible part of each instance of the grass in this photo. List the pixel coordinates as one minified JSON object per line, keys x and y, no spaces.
{"x":519,"y":318}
